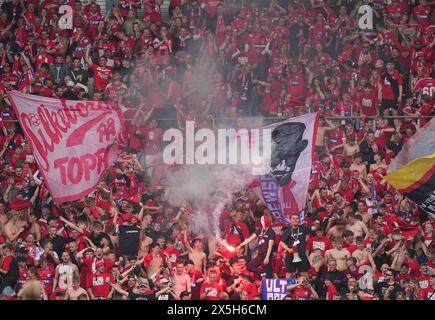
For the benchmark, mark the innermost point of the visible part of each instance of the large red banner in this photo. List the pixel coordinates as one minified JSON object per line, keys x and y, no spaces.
{"x":73,"y":142}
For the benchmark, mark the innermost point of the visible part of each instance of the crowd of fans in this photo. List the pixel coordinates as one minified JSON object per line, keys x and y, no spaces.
{"x":225,"y":59}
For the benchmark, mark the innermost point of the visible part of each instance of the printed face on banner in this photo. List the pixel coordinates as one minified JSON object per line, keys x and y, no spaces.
{"x":73,"y":142}
{"x":284,"y":189}
{"x":287,"y":146}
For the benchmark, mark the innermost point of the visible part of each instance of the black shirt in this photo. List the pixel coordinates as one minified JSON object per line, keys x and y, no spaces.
{"x":59,"y":243}
{"x":290,"y":235}
{"x":139,"y":296}
{"x":383,"y":286}
{"x":263,"y":240}
{"x":338,"y":279}
{"x":128,"y":240}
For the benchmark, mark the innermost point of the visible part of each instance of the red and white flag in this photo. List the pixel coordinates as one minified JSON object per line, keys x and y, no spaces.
{"x":73,"y":142}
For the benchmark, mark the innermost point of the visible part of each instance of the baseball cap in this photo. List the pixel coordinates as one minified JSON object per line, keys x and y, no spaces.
{"x":164,"y":280}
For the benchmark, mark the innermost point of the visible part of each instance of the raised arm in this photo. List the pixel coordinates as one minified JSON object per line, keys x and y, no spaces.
{"x":87,"y":59}
{"x":247,"y":241}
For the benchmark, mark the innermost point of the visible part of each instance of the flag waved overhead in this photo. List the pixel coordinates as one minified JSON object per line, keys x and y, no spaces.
{"x":73,"y":142}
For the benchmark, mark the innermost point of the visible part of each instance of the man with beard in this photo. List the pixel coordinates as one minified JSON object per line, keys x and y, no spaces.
{"x":293,"y":241}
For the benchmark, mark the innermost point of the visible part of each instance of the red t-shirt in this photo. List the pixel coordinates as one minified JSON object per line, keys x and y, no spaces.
{"x":46,"y":277}
{"x":315,"y":243}
{"x":422,"y":15}
{"x":387,"y":89}
{"x":212,"y":290}
{"x":368,"y":103}
{"x":424,"y":281}
{"x":428,"y":293}
{"x":100,"y":284}
{"x":101,"y":76}
{"x":301,"y":293}
{"x":7,"y":263}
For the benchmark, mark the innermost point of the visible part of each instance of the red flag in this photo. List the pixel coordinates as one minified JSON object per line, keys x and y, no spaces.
{"x":407,"y":230}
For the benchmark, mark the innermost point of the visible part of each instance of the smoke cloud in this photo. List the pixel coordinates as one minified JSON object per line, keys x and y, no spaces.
{"x":207,"y":189}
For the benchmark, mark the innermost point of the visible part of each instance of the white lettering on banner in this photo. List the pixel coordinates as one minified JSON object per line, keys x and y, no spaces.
{"x":73,"y":142}
{"x":275,"y":289}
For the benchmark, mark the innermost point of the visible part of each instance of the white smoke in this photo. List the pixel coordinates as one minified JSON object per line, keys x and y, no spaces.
{"x":207,"y":189}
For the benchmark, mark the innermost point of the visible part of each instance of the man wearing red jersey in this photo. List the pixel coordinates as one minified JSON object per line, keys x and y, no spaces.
{"x":115,"y":88}
{"x":302,"y":290}
{"x":383,"y":132}
{"x":102,"y":72}
{"x":197,"y":278}
{"x":368,"y":102}
{"x":237,"y":231}
{"x":79,"y":43}
{"x":46,"y":275}
{"x":424,"y":277}
{"x":319,"y":32}
{"x":93,"y":18}
{"x":429,"y":292}
{"x":101,"y":284}
{"x":295,"y":83}
{"x":319,"y":242}
{"x":390,"y":93}
{"x":152,"y":140}
{"x":422,"y":13}
{"x":210,"y":290}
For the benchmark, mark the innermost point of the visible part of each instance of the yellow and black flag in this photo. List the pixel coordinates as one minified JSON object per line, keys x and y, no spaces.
{"x":413,"y":170}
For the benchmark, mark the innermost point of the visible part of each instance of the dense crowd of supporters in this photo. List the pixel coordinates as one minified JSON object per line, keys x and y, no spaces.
{"x":227,"y":59}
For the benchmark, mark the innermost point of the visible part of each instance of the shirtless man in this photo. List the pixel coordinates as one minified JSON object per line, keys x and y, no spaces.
{"x":76,"y":291}
{"x":339,"y":254}
{"x":337,"y":230}
{"x":361,"y":254}
{"x":379,"y":163}
{"x":355,"y":225}
{"x":181,"y":279}
{"x":153,"y":261}
{"x":350,"y":147}
{"x":362,"y":211}
{"x":144,"y":246}
{"x":12,"y":228}
{"x":34,"y":228}
{"x":324,"y":126}
{"x":358,"y":165}
{"x":3,"y":215}
{"x":316,"y":260}
{"x":196,"y":252}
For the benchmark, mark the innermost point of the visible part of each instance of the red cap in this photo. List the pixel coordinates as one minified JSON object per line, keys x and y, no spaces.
{"x":99,"y":263}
